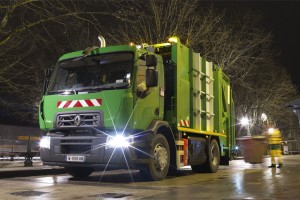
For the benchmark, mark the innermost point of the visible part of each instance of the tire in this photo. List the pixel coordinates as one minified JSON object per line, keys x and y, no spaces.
{"x":79,"y":172}
{"x":158,"y":166}
{"x":213,"y":159}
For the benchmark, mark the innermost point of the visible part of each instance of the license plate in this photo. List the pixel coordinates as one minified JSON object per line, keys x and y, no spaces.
{"x":75,"y":158}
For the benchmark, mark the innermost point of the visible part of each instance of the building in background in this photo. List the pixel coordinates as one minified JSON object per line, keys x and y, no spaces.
{"x":292,"y":138}
{"x":17,"y":140}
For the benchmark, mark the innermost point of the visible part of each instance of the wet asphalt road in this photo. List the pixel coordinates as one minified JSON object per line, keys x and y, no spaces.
{"x":240,"y":180}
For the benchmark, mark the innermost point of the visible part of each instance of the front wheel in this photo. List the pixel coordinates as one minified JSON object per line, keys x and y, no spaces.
{"x":158,"y":166}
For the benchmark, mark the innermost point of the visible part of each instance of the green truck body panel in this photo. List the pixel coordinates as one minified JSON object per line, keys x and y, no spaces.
{"x":192,"y":96}
{"x":203,"y":95}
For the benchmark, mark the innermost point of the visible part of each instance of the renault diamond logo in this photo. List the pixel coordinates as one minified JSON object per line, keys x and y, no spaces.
{"x":77,"y":120}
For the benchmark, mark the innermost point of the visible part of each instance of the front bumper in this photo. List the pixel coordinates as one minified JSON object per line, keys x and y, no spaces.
{"x":95,"y":152}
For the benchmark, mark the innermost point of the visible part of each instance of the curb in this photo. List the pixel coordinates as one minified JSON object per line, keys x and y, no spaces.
{"x":17,"y":169}
{"x":30,"y":172}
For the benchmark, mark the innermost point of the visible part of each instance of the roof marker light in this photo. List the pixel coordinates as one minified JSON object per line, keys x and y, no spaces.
{"x":173,"y":39}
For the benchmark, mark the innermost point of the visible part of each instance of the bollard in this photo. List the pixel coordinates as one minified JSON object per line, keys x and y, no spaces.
{"x":28,"y":159}
{"x":28,"y":155}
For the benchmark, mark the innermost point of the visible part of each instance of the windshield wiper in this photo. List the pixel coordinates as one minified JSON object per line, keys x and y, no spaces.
{"x":65,"y":92}
{"x":85,"y":53}
{"x":91,"y":89}
{"x":105,"y":87}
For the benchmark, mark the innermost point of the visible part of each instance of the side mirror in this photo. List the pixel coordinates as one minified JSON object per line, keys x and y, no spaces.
{"x":151,"y":78}
{"x":48,"y":73}
{"x":151,"y":60}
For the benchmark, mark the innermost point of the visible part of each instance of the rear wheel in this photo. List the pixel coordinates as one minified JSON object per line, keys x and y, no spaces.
{"x":79,"y":171}
{"x":158,"y":166}
{"x":213,"y":159}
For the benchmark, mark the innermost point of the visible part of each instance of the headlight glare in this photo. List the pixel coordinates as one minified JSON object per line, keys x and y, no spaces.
{"x":117,"y":141}
{"x":45,"y":142}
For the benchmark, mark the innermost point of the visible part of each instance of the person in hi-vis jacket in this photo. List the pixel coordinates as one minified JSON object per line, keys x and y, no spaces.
{"x":275,"y":140}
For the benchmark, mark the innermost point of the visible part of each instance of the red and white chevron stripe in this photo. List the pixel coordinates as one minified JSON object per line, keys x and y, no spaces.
{"x":185,"y":123}
{"x":79,"y":103}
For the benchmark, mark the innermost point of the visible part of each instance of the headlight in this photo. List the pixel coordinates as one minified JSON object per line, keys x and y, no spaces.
{"x":118,"y":140}
{"x":45,"y":142}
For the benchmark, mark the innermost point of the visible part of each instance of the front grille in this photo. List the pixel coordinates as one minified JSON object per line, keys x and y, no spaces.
{"x":76,"y":146}
{"x":71,"y":120}
{"x":76,"y":149}
{"x":79,"y":141}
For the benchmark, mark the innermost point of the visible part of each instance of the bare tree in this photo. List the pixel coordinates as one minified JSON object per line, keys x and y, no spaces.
{"x":33,"y":34}
{"x":269,"y":88}
{"x":159,"y":20}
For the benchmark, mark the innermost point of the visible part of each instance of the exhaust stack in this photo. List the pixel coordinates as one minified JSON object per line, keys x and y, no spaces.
{"x":102,"y":41}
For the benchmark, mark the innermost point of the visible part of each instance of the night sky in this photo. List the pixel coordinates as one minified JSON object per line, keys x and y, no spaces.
{"x":282,"y":18}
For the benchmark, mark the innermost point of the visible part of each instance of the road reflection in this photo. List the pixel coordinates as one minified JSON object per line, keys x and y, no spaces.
{"x":52,"y":180}
{"x":240,"y":180}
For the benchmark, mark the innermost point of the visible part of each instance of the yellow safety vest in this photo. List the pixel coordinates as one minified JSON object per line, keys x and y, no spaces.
{"x":275,"y":140}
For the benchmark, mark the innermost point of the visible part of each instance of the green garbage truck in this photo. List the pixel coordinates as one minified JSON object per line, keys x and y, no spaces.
{"x":154,"y":108}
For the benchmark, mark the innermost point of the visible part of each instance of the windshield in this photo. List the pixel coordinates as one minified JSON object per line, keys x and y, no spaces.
{"x":93,"y":73}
